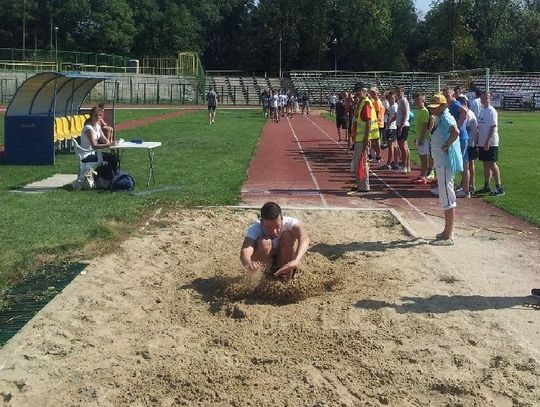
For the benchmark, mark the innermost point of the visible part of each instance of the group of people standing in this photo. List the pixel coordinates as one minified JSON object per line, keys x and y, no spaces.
{"x":451,"y":134}
{"x":278,"y":104}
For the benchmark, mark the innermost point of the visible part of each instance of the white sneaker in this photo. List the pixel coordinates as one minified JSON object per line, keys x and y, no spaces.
{"x":404,"y":170}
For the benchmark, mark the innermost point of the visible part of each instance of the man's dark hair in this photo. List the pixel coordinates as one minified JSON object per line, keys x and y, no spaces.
{"x":417,"y":95}
{"x":463,"y":101}
{"x":270,"y":211}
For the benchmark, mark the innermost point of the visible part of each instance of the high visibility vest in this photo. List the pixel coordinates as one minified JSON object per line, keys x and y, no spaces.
{"x":374,"y":132}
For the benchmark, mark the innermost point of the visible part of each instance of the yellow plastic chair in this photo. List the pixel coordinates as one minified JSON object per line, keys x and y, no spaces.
{"x":65,"y":123}
{"x":58,"y":129}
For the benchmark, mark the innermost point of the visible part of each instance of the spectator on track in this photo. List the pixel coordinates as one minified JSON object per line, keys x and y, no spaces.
{"x":212,"y":98}
{"x":305,"y":103}
{"x":472,"y":149}
{"x":341,"y":117}
{"x":459,"y":112}
{"x":350,"y":104}
{"x":386,"y":105}
{"x":265,"y":100}
{"x":332,"y":101}
{"x":423,"y":137}
{"x":445,"y":150}
{"x":274,"y":106}
{"x":274,"y":242}
{"x":379,"y":109}
{"x":488,"y":145}
{"x":402,"y":121}
{"x":391,"y":133}
{"x":475,"y":105}
{"x":364,"y":126}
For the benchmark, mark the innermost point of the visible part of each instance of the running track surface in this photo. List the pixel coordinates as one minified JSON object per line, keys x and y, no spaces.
{"x":299,"y":162}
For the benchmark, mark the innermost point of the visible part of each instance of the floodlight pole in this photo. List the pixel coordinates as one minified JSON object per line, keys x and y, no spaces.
{"x":335,"y":56}
{"x":453,"y":51}
{"x":24,"y":27}
{"x":56,"y":47}
{"x":280,"y":41}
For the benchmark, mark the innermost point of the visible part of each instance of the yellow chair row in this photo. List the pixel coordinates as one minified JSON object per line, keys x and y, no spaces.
{"x":68,"y":127}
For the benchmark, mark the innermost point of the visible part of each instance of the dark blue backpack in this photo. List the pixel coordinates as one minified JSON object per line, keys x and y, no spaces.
{"x":122,"y":181}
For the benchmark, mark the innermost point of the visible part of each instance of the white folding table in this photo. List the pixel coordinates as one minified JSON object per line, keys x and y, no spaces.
{"x":148,"y":145}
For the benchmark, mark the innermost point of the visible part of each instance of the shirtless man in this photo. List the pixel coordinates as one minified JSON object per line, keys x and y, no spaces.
{"x":275,"y":241}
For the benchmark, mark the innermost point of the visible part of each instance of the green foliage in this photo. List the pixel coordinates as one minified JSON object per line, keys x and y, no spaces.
{"x":240,"y":34}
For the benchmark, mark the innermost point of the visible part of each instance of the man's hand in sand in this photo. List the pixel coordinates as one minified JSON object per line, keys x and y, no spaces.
{"x":253,"y":265}
{"x":287,"y":269}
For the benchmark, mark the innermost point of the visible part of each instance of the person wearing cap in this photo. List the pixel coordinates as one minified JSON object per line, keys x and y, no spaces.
{"x":365,"y":126}
{"x":445,"y":149}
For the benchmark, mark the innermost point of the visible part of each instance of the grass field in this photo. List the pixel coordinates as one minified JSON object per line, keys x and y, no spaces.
{"x":517,"y":131}
{"x":197,"y":165}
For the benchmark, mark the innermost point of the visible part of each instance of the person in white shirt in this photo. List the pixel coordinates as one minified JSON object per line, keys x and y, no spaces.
{"x":332,"y":101}
{"x":488,"y":145}
{"x":472,"y":128}
{"x":391,"y":132}
{"x":274,"y":106}
{"x":475,"y":105}
{"x":402,"y":121}
{"x":275,"y":242}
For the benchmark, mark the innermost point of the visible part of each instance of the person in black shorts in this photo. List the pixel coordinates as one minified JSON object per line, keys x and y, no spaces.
{"x":212,"y":103}
{"x":341,"y":116}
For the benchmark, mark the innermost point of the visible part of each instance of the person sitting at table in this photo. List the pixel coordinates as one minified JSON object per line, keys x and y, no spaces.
{"x":92,"y":139}
{"x":105,"y":128}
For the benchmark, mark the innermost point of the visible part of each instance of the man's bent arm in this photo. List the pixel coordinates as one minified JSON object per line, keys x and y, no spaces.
{"x":300,"y":233}
{"x":248,"y":247}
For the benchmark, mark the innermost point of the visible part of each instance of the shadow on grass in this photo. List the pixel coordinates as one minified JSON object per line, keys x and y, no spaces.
{"x":440,"y":304}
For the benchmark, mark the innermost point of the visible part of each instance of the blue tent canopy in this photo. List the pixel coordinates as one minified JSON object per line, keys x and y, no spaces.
{"x":29,"y":118}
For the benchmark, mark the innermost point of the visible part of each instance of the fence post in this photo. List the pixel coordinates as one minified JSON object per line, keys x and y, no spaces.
{"x":234,"y":95}
{"x":157,"y":94}
{"x":131,"y":90}
{"x":184,"y":94}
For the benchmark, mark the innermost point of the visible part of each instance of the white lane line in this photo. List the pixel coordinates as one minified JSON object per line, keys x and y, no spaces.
{"x":313,"y":178}
{"x":380,"y":179}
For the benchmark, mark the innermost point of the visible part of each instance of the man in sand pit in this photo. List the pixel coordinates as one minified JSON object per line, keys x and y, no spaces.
{"x":275,"y":241}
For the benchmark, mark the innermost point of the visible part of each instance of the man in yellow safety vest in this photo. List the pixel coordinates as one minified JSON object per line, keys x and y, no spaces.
{"x":365,"y":126}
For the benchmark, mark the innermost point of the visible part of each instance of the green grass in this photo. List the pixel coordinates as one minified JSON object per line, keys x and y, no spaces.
{"x":125,"y":115}
{"x":197,"y":164}
{"x":517,"y":162}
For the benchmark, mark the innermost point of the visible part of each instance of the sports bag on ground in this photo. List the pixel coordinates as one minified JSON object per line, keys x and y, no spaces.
{"x":122,"y":181}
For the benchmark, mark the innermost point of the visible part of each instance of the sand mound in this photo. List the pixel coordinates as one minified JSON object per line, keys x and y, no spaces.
{"x":263,"y":288}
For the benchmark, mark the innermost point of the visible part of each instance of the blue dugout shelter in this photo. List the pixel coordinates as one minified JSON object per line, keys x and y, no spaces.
{"x":29,"y":118}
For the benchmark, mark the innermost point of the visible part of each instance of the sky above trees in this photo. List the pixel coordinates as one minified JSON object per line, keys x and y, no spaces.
{"x":246,"y":35}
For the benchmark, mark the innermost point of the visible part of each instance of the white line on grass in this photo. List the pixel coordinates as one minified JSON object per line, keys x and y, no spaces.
{"x":380,"y":179}
{"x":313,"y":178}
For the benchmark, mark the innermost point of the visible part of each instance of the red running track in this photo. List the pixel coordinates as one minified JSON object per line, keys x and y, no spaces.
{"x":299,"y":162}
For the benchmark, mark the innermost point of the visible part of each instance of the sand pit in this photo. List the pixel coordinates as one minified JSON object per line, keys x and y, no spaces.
{"x":172,"y":319}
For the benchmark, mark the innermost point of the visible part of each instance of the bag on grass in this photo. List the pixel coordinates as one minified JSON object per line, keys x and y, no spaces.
{"x":122,"y":181}
{"x":88,"y":181}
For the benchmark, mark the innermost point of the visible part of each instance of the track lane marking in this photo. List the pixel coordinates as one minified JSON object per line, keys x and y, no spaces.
{"x":396,"y":192}
{"x":313,"y":178}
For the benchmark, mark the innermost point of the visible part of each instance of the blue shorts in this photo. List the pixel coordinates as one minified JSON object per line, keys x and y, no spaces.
{"x":464,"y":145}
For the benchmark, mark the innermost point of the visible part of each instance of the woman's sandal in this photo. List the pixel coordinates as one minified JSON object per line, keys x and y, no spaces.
{"x":442,"y":242}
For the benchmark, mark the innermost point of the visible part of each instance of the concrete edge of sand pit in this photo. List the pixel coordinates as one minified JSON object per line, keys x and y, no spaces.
{"x":408,"y":229}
